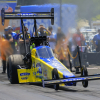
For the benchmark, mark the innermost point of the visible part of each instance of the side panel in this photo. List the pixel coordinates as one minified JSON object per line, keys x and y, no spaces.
{"x":44,"y":70}
{"x":25,"y":75}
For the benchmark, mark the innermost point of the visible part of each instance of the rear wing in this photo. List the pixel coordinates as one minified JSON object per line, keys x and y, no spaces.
{"x":27,"y":15}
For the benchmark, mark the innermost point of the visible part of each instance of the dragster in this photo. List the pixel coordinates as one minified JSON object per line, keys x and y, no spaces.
{"x":40,"y":65}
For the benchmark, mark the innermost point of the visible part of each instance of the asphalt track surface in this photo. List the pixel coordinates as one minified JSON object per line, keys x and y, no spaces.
{"x":37,"y":92}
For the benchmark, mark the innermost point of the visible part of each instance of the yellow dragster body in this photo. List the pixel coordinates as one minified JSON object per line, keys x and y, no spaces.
{"x":42,"y":66}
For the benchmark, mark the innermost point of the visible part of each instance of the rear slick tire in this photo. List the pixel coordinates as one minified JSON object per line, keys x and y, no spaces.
{"x":12,"y":66}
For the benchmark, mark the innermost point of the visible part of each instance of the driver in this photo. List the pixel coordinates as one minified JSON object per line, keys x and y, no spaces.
{"x":40,"y":31}
{"x":32,"y":46}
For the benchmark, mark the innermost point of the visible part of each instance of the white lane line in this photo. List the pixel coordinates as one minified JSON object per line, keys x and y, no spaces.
{"x":93,"y":68}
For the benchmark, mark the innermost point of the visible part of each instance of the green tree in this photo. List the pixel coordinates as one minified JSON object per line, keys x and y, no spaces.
{"x":96,"y":18}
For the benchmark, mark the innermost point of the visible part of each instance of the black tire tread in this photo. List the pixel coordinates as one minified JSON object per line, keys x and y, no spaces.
{"x":84,"y":83}
{"x":57,"y":77}
{"x":12,"y":66}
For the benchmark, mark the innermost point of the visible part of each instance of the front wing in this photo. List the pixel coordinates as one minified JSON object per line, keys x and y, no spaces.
{"x":68,"y":80}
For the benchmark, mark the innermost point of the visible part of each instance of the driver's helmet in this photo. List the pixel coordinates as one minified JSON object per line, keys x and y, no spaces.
{"x":32,"y":46}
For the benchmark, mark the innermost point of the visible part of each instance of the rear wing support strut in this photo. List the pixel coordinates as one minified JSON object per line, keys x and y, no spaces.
{"x":22,"y":24}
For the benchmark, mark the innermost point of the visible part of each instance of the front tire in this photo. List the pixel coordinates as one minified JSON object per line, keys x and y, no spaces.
{"x":55,"y":76}
{"x":70,"y":66}
{"x":84,"y":72}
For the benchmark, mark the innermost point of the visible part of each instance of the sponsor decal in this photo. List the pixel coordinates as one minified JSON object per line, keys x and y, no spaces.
{"x":44,"y":72}
{"x":38,"y":65}
{"x":39,"y":69}
{"x":34,"y":73}
{"x":24,"y":78}
{"x":24,"y":74}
